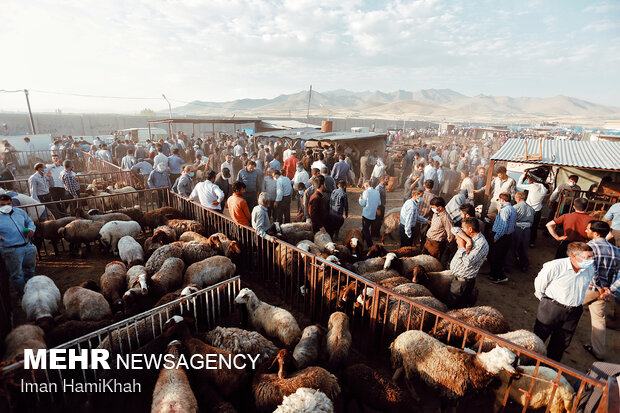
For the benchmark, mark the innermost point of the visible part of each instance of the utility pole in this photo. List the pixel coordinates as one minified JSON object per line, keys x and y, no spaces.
{"x":309,"y":97}
{"x":170,"y":113}
{"x":34,"y":132}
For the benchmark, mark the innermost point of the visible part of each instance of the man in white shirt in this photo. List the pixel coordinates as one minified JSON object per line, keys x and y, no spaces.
{"x":467,"y":184}
{"x":228,"y":164}
{"x":160,"y":157}
{"x":561,"y":287}
{"x":501,"y":183}
{"x":208,"y":194}
{"x":319,"y":164}
{"x":535,"y":194}
{"x":301,"y":175}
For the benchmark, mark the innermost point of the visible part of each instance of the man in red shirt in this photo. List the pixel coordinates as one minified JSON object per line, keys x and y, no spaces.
{"x":574,"y":226}
{"x":238,"y":207}
{"x":316,"y":207}
{"x":290,"y":165}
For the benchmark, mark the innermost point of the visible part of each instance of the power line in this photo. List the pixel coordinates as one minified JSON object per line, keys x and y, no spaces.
{"x":11,"y":91}
{"x":94,"y":96}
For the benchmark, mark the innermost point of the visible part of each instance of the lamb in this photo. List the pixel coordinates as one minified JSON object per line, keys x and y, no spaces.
{"x":310,"y":247}
{"x":130,"y":251}
{"x":164,"y":234}
{"x":193,"y":236}
{"x":523,"y":338}
{"x":324,"y":242}
{"x":113,"y":282}
{"x":86,"y":305}
{"x":26,"y":336}
{"x":484,"y":317}
{"x":372,"y":389}
{"x":81,"y":231}
{"x":273,"y":321}
{"x":391,"y":223}
{"x":183,"y":225}
{"x":353,"y":240}
{"x":49,"y":230}
{"x":113,"y":231}
{"x":194,"y":251}
{"x":172,"y":391}
{"x":306,"y":401}
{"x":306,"y":352}
{"x":210,"y":271}
{"x":454,"y":373}
{"x":169,"y":277}
{"x":241,"y":341}
{"x":41,"y":298}
{"x":541,"y":391}
{"x":430,"y":264}
{"x":338,"y":340}
{"x":160,"y":255}
{"x":269,"y":389}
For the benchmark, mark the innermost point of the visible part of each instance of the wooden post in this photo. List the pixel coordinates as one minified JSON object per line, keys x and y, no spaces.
{"x":487,"y":189}
{"x":170,"y":129}
{"x":149,"y":123}
{"x":213,"y":128}
{"x":525,"y":140}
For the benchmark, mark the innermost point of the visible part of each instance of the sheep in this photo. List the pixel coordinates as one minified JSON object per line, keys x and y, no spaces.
{"x":137,"y":278}
{"x":130,"y":251}
{"x":241,"y":341}
{"x":412,"y":290}
{"x":193,"y":236}
{"x":183,"y":225}
{"x":105,"y":218}
{"x":210,"y":271}
{"x":439,"y":283}
{"x":523,"y":338}
{"x":26,"y":336}
{"x":150,"y":245}
{"x":169,"y":277}
{"x":454,"y":373}
{"x":310,"y":247}
{"x":338,"y":340}
{"x":406,"y":252}
{"x":391,"y":223}
{"x":173,"y":392}
{"x":306,"y":401}
{"x":113,"y":282}
{"x":156,"y":260}
{"x":68,"y":330}
{"x":41,"y":298}
{"x":372,"y":389}
{"x":81,"y":231}
{"x":540,"y":392}
{"x":194,"y":251}
{"x":376,"y":264}
{"x":393,"y":282}
{"x":430,"y":264}
{"x":178,"y":293}
{"x":164,"y":234}
{"x":484,"y":317}
{"x":86,"y":305}
{"x":113,"y":231}
{"x":377,"y":250}
{"x":295,"y":227}
{"x":49,"y":230}
{"x":354,"y":241}
{"x":295,"y":238}
{"x":273,"y":321}
{"x":324,"y":242}
{"x":157,"y":217}
{"x":400,"y":316}
{"x":269,"y":389}
{"x":306,"y":352}
{"x":135,"y":214}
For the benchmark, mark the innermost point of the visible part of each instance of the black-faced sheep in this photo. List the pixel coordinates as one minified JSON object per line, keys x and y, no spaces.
{"x":484,"y":317}
{"x":273,"y":321}
{"x":113,"y":231}
{"x":338,"y":340}
{"x":306,"y":352}
{"x":48,"y":230}
{"x":369,"y":387}
{"x":113,"y":283}
{"x":306,"y":401}
{"x":86,"y":305}
{"x":210,"y":271}
{"x":354,"y":242}
{"x":523,"y":338}
{"x":169,"y":277}
{"x":41,"y":298}
{"x":454,"y":373}
{"x":80,"y":231}
{"x":161,"y":254}
{"x":130,"y":251}
{"x":26,"y":336}
{"x":269,"y":389}
{"x":239,"y":341}
{"x":173,"y":392}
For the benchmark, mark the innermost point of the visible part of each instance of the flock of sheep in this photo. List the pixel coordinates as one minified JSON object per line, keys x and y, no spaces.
{"x":301,"y":370}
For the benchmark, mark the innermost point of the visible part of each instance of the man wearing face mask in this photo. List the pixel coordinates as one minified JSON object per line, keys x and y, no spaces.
{"x":183,"y":184}
{"x":18,"y":254}
{"x":561,"y":287}
{"x":566,"y":187}
{"x":301,"y":175}
{"x":8,"y":174}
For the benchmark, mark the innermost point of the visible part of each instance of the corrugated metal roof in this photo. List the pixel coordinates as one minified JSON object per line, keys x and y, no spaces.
{"x":316,"y":135}
{"x":286,"y":124}
{"x":579,"y":154}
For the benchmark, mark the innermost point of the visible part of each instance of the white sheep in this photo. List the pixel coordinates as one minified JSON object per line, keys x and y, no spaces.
{"x":130,"y":251}
{"x":26,"y":336}
{"x":374,"y":264}
{"x":306,"y":352}
{"x":86,"y":305}
{"x":41,"y":298}
{"x":430,"y":264}
{"x":523,"y":338}
{"x":137,"y":278}
{"x":172,"y":392}
{"x":306,"y":400}
{"x":113,"y":231}
{"x":239,"y":341}
{"x":325,"y":242}
{"x":273,"y":321}
{"x":453,"y":372}
{"x":310,"y":247}
{"x":210,"y":271}
{"x":541,"y":392}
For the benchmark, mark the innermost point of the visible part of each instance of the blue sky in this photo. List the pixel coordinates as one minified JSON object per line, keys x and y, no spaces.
{"x":220,"y":50}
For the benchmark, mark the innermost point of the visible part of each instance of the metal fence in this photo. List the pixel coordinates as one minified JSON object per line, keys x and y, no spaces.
{"x":93,"y":163}
{"x":317,"y":287}
{"x":207,"y":307}
{"x":596,"y":202}
{"x":125,"y":178}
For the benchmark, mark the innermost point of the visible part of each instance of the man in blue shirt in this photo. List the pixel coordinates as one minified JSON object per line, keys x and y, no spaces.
{"x":409,"y":217}
{"x":174,"y":163}
{"x":370,"y":201}
{"x":340,"y":169}
{"x":503,"y":227}
{"x":282,"y":204}
{"x":18,"y":254}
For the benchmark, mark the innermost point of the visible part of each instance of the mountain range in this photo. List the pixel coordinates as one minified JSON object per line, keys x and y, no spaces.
{"x":425,"y":104}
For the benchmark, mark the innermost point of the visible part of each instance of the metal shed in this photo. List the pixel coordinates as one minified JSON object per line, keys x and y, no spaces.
{"x":357,"y":140}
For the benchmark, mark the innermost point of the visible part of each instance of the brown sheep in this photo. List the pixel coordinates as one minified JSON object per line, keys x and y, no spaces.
{"x":354,"y":241}
{"x":113,"y":283}
{"x":173,"y":392}
{"x":390,"y":224}
{"x":184,"y":225}
{"x":393,"y":282}
{"x":169,"y":277}
{"x":377,"y":250}
{"x":369,"y":387}
{"x":406,"y":252}
{"x":485,"y":317}
{"x":157,"y":217}
{"x":193,"y":236}
{"x":26,"y":336}
{"x":338,"y":340}
{"x":158,"y":257}
{"x":164,"y":234}
{"x":439,"y":283}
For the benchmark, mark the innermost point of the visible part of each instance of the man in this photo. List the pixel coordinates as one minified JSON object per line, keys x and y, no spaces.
{"x":412,"y":182}
{"x":29,"y":145}
{"x":57,"y":190}
{"x":330,"y":183}
{"x":275,"y":165}
{"x":376,"y":226}
{"x":103,"y":153}
{"x":370,"y":201}
{"x":501,"y":183}
{"x":222,"y":181}
{"x":377,"y":172}
{"x":424,"y":209}
{"x":16,"y":250}
{"x":208,"y":194}
{"x":340,"y":170}
{"x":521,"y":235}
{"x":574,"y":225}
{"x":69,"y":181}
{"x":366,"y":167}
{"x":565,"y":188}
{"x":613,"y":215}
{"x":439,"y":233}
{"x":503,"y":227}
{"x":238,"y":207}
{"x":317,"y":212}
{"x":260,"y":217}
{"x":450,"y":182}
{"x":535,"y":194}
{"x":290,"y":165}
{"x":161,"y":157}
{"x":128,"y":161}
{"x":269,"y":187}
{"x":430,"y":173}
{"x":174,"y":163}
{"x":282,"y":204}
{"x":604,"y":285}
{"x":158,"y":177}
{"x":467,"y":184}
{"x":339,"y":205}
{"x":319,"y":164}
{"x":301,"y":175}
{"x":252,"y":180}
{"x":409,"y":217}
{"x":120,"y":151}
{"x":40,"y":183}
{"x":307,"y":161}
{"x":466,"y":263}
{"x":183,"y":184}
{"x":561,"y":287}
{"x":7,"y":174}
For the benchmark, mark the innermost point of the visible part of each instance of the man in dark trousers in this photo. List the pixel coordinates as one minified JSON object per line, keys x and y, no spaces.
{"x":503,"y":227}
{"x":317,"y":210}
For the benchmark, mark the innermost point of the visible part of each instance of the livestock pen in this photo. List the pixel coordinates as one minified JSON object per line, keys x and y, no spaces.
{"x":124,"y":178}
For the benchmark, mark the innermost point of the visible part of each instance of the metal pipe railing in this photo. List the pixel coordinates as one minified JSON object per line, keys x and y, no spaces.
{"x":124,"y":178}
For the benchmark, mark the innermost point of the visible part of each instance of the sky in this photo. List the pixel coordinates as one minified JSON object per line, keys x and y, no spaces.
{"x":220,"y":50}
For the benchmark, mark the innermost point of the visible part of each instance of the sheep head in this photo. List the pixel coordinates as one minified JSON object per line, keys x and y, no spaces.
{"x":377,"y":250}
{"x":245,"y":296}
{"x":347,"y":295}
{"x":498,"y":359}
{"x":175,"y":348}
{"x":419,"y":275}
{"x":388,"y":260}
{"x":331,"y":247}
{"x":234,"y":250}
{"x":286,"y":363}
{"x":354,"y":242}
{"x":333,"y":259}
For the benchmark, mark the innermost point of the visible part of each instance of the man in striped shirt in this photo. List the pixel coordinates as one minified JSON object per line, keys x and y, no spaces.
{"x":68,"y":180}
